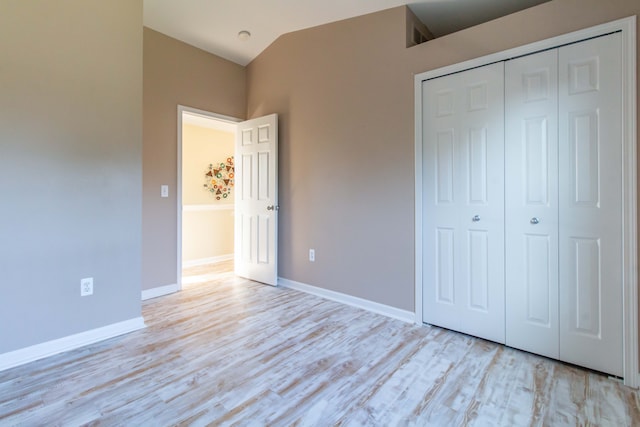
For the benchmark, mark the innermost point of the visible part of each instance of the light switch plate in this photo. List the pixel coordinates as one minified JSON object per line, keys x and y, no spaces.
{"x":164,"y":191}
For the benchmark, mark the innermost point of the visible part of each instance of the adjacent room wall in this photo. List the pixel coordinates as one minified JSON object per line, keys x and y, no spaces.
{"x":70,"y":166}
{"x":175,"y":74}
{"x":207,"y":223}
{"x":344,"y":93}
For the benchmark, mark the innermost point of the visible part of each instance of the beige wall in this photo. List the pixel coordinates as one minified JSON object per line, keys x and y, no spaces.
{"x":70,"y":166}
{"x":344,"y":92}
{"x":201,"y":147}
{"x":206,"y":234}
{"x":175,"y":74}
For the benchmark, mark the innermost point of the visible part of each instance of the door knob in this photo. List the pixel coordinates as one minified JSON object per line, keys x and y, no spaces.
{"x":273,"y":208}
{"x":534,"y":220}
{"x":476,"y":218}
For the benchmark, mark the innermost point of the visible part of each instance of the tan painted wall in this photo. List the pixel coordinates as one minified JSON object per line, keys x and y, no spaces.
{"x":205,"y":234}
{"x":175,"y":74}
{"x":70,"y":166}
{"x":344,"y":92}
{"x":201,"y":147}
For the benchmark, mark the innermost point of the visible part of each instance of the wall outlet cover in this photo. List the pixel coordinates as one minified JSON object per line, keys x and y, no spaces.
{"x":86,"y":286}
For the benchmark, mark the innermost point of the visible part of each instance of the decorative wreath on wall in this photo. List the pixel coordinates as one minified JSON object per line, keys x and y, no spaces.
{"x":219,"y":178}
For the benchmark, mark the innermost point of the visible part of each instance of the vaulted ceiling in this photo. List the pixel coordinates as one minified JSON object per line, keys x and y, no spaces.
{"x":213,"y":25}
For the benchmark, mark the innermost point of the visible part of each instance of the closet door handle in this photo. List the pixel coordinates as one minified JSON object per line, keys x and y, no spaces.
{"x":534,"y":220}
{"x":476,"y":218}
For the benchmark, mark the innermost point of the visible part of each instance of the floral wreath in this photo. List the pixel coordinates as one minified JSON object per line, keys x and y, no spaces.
{"x":219,"y":178}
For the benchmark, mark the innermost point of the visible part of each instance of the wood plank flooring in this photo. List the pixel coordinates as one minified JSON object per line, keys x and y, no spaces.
{"x":227,"y":351}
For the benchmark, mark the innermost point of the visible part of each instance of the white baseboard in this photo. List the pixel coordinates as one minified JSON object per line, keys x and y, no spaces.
{"x":159,"y":291}
{"x":205,"y":261}
{"x":385,"y":310}
{"x":71,"y":342}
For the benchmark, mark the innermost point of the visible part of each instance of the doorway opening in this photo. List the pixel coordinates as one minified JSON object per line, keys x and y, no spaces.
{"x":206,"y":193}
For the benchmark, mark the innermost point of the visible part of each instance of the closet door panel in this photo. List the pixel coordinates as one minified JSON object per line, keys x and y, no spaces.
{"x":531,"y":203}
{"x":591,"y":204}
{"x":463,"y":149}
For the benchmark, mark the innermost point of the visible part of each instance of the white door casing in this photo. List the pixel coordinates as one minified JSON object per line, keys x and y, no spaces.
{"x":591,"y":204}
{"x":463,"y":204}
{"x":256,"y":225}
{"x":531,"y":203}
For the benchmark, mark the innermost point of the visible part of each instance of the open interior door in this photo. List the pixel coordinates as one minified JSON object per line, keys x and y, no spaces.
{"x":256,"y":224}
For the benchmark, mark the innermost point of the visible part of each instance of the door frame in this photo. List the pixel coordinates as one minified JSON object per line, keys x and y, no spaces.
{"x":627,"y":27}
{"x":207,"y":114}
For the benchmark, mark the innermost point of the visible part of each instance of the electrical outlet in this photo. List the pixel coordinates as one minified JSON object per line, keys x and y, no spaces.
{"x":312,"y":255}
{"x":86,"y":286}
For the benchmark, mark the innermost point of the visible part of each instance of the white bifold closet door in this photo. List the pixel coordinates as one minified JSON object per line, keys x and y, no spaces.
{"x":464,"y":202}
{"x":522,"y":238}
{"x":531,"y":203}
{"x":590,"y":159}
{"x":563,"y":201}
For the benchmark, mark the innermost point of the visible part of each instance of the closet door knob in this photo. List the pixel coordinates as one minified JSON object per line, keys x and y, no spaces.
{"x":534,"y":220}
{"x":476,"y":218}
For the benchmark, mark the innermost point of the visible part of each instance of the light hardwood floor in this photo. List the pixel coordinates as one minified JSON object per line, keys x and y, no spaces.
{"x":231,"y":352}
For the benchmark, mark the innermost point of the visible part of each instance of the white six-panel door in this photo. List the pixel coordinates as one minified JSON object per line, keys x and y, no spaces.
{"x":257,"y":200}
{"x":531,"y":203}
{"x":591,"y":204}
{"x":464,"y":202}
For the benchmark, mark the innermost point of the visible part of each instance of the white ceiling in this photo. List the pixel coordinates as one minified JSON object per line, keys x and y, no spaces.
{"x":213,"y":25}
